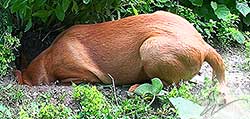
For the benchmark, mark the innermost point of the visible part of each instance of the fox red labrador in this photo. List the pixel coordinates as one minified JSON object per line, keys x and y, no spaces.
{"x":132,"y":50}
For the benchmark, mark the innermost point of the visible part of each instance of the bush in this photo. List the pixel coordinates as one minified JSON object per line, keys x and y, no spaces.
{"x":216,"y":21}
{"x":32,"y":12}
{"x":93,"y":104}
{"x":220,"y":9}
{"x":8,"y":43}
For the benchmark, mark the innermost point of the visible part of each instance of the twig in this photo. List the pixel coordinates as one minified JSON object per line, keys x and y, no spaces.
{"x":151,"y":102}
{"x":51,"y":32}
{"x":229,"y":104}
{"x":114,"y":88}
{"x":214,"y":106}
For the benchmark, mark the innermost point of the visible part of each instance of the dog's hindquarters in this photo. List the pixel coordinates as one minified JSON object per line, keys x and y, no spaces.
{"x":170,"y":61}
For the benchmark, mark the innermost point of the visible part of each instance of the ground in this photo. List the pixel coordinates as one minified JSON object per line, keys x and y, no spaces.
{"x":238,"y":82}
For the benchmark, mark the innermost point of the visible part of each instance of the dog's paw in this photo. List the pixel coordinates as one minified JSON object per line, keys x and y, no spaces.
{"x":133,"y":87}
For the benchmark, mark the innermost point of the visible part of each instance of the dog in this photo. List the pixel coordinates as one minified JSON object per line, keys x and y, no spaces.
{"x":131,"y":50}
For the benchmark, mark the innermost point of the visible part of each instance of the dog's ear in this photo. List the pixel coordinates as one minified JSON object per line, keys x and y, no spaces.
{"x":18,"y":74}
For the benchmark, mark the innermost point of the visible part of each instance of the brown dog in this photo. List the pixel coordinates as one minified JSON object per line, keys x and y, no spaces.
{"x":131,"y":50}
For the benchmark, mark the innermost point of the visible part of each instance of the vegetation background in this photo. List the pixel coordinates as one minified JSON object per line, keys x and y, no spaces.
{"x":27,"y":27}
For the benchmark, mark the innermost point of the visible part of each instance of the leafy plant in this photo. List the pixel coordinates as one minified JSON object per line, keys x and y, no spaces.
{"x":51,"y":111}
{"x":183,"y":91}
{"x":31,"y":12}
{"x":13,"y":94}
{"x":227,"y":17}
{"x":131,"y":108}
{"x":93,"y":104}
{"x":8,"y":43}
{"x":221,"y":9}
{"x":45,"y":111}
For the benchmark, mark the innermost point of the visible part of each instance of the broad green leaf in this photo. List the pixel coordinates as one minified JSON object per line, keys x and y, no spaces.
{"x":86,"y":1}
{"x":237,"y":35}
{"x":59,"y":12}
{"x":144,"y":89}
{"x":65,"y":5}
{"x":157,"y":85}
{"x":28,"y":26}
{"x":220,"y":10}
{"x":187,"y":109}
{"x":197,"y":2}
{"x":243,"y":8}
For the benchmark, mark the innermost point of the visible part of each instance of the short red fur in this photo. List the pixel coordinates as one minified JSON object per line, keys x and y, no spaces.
{"x":132,"y":50}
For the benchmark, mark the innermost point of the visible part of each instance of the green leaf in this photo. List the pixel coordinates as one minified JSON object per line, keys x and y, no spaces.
{"x":157,"y":85}
{"x":187,"y":109}
{"x":41,"y":13}
{"x":243,"y":8}
{"x":65,"y":5}
{"x":147,"y":88}
{"x":237,"y":35}
{"x":144,"y":89}
{"x":28,"y":26}
{"x":59,"y":12}
{"x":19,"y":4}
{"x":220,"y":10}
{"x":86,"y":1}
{"x":197,"y":2}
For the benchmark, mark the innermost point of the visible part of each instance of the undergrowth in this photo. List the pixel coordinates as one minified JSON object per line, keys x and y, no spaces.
{"x":94,"y":104}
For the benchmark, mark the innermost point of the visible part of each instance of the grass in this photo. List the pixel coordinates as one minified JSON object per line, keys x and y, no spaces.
{"x":92,"y":103}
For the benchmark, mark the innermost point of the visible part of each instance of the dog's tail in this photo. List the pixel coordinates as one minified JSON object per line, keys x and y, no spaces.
{"x":215,"y":61}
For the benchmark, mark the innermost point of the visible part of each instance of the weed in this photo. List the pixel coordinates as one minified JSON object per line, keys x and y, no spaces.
{"x":93,"y":104}
{"x":45,"y":111}
{"x":183,"y":91}
{"x":11,"y":94}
